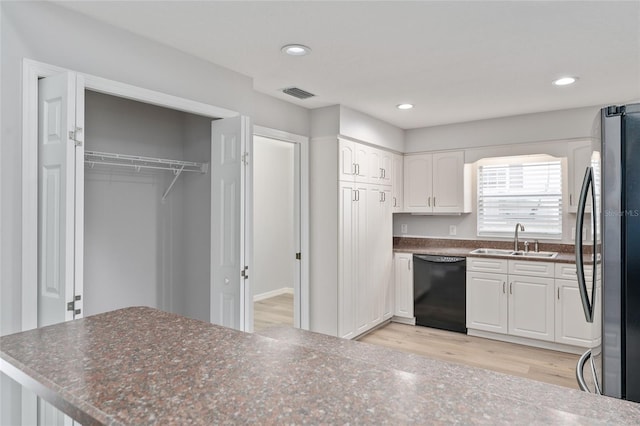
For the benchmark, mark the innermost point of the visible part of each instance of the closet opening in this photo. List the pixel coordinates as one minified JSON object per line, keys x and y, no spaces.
{"x":147,"y":207}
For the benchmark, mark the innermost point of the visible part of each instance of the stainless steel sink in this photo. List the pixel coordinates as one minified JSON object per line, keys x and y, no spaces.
{"x":544,"y":254}
{"x":493,"y":252}
{"x":502,"y":252}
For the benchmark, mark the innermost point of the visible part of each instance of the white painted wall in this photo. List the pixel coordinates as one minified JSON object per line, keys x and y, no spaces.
{"x":197,"y":225}
{"x":519,"y":129}
{"x":273,"y":209}
{"x":363,"y":127}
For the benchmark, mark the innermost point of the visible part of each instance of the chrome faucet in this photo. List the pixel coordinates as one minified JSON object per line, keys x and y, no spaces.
{"x":515,"y":238}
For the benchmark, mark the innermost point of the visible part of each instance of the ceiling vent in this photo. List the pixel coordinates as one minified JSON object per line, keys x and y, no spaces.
{"x":297,"y":93}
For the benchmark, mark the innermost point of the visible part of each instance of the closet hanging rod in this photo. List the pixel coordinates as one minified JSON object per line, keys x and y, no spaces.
{"x":140,"y":162}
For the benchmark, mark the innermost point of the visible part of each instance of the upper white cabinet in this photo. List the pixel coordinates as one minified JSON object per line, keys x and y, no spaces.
{"x":579,"y":158}
{"x":364,"y":164}
{"x":436,"y":183}
{"x":397,"y":183}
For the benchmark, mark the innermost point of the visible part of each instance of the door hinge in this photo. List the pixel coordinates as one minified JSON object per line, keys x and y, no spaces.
{"x":71,"y":306}
{"x":245,"y":158}
{"x":75,"y":136}
{"x":243,"y":273}
{"x":298,"y":256}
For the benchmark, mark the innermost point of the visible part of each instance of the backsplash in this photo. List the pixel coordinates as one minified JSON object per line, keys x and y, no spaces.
{"x":410,"y":242}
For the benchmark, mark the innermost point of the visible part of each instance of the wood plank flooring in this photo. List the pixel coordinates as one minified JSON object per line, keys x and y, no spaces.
{"x":273,"y":312}
{"x":524,"y":361}
{"x":534,"y":363}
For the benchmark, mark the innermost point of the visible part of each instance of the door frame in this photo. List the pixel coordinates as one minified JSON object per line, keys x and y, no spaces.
{"x":31,"y":71}
{"x":301,"y":174}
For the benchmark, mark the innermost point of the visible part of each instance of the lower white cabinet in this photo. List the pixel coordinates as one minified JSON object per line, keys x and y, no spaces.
{"x":487,"y":301}
{"x":531,"y":307}
{"x":403,"y":272}
{"x":541,"y":301}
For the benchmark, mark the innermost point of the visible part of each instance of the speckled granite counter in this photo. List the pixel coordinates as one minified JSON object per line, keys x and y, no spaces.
{"x":144,"y":366}
{"x":462,"y":248}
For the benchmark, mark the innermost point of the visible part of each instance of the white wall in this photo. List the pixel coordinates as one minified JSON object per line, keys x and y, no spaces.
{"x":273,"y":209}
{"x":519,"y":129}
{"x":197,"y":224}
{"x":360,"y":126}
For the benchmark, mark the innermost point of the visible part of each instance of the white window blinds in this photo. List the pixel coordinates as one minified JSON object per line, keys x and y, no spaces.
{"x":525,"y":192}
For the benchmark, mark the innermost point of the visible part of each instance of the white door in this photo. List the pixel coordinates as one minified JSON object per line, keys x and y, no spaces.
{"x":346,"y":261}
{"x":346,"y":160}
{"x":229,"y":213}
{"x":58,"y":233}
{"x":60,"y":204}
{"x":403,"y":285}
{"x":397,"y":184}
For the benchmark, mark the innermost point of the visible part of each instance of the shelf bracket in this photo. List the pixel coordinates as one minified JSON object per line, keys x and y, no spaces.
{"x":175,"y":178}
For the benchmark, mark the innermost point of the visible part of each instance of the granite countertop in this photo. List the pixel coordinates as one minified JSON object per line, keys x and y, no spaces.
{"x":145,"y":366}
{"x":463,"y":248}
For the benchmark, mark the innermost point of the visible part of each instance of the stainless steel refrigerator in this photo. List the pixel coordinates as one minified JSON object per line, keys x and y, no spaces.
{"x":610,"y":208}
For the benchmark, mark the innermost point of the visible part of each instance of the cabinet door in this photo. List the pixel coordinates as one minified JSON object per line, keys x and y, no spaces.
{"x":571,"y":326}
{"x":363,"y":168}
{"x":418,"y":183}
{"x":386,"y":166}
{"x":386,"y":254}
{"x":397,"y":183}
{"x":531,"y":307}
{"x":346,"y":160}
{"x":346,"y":260}
{"x":579,"y":158}
{"x":487,"y":302}
{"x":448,"y":182}
{"x":373,"y":291}
{"x":364,"y":299}
{"x":403,"y":274}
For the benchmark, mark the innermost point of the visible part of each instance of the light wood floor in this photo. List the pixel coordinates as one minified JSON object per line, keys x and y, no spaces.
{"x":273,"y":312}
{"x":537,"y":364}
{"x":525,"y":361}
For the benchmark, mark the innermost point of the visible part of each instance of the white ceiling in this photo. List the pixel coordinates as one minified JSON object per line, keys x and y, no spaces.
{"x":456,"y":61}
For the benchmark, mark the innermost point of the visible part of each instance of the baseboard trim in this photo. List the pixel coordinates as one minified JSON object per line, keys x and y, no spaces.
{"x":560,"y":347}
{"x":272,"y":293}
{"x":404,"y":320}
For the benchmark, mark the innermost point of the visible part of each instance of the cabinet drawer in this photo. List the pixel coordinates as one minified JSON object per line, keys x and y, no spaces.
{"x":482,"y":264}
{"x":567,"y":271}
{"x":535,"y":269}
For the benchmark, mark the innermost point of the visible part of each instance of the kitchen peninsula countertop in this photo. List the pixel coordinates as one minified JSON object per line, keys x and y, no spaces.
{"x":144,"y":366}
{"x":463,"y":248}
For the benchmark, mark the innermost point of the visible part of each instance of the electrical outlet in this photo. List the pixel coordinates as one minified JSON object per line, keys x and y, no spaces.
{"x":403,"y":228}
{"x":452,"y":230}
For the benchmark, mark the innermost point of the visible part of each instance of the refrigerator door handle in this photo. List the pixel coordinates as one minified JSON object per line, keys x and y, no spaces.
{"x":587,"y":306}
{"x":580,"y":373}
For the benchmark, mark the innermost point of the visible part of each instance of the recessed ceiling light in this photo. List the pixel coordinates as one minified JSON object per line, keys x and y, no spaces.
{"x":565,"y":81}
{"x":404,"y":106}
{"x":296,"y":50}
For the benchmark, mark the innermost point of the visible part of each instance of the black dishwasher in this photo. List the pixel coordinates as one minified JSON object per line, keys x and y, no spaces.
{"x":439,"y":292}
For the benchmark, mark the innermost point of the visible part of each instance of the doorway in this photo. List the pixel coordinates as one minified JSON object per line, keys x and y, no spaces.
{"x":279,"y":231}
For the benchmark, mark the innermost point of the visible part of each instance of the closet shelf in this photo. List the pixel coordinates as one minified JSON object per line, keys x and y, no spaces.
{"x":138,"y":162}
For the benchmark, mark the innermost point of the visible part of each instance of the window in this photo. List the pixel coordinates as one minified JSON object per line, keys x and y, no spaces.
{"x":519,"y":189}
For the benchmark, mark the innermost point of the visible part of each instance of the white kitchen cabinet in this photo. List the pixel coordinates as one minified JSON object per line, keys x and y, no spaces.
{"x":384,"y":252}
{"x":403,"y":272}
{"x":571,"y":326}
{"x":397,"y":183}
{"x":353,"y":161}
{"x":503,"y":303}
{"x":436,"y":183}
{"x":487,"y":302}
{"x":578,"y":159}
{"x":531,"y":307}
{"x":386,"y":168}
{"x":347,"y":260}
